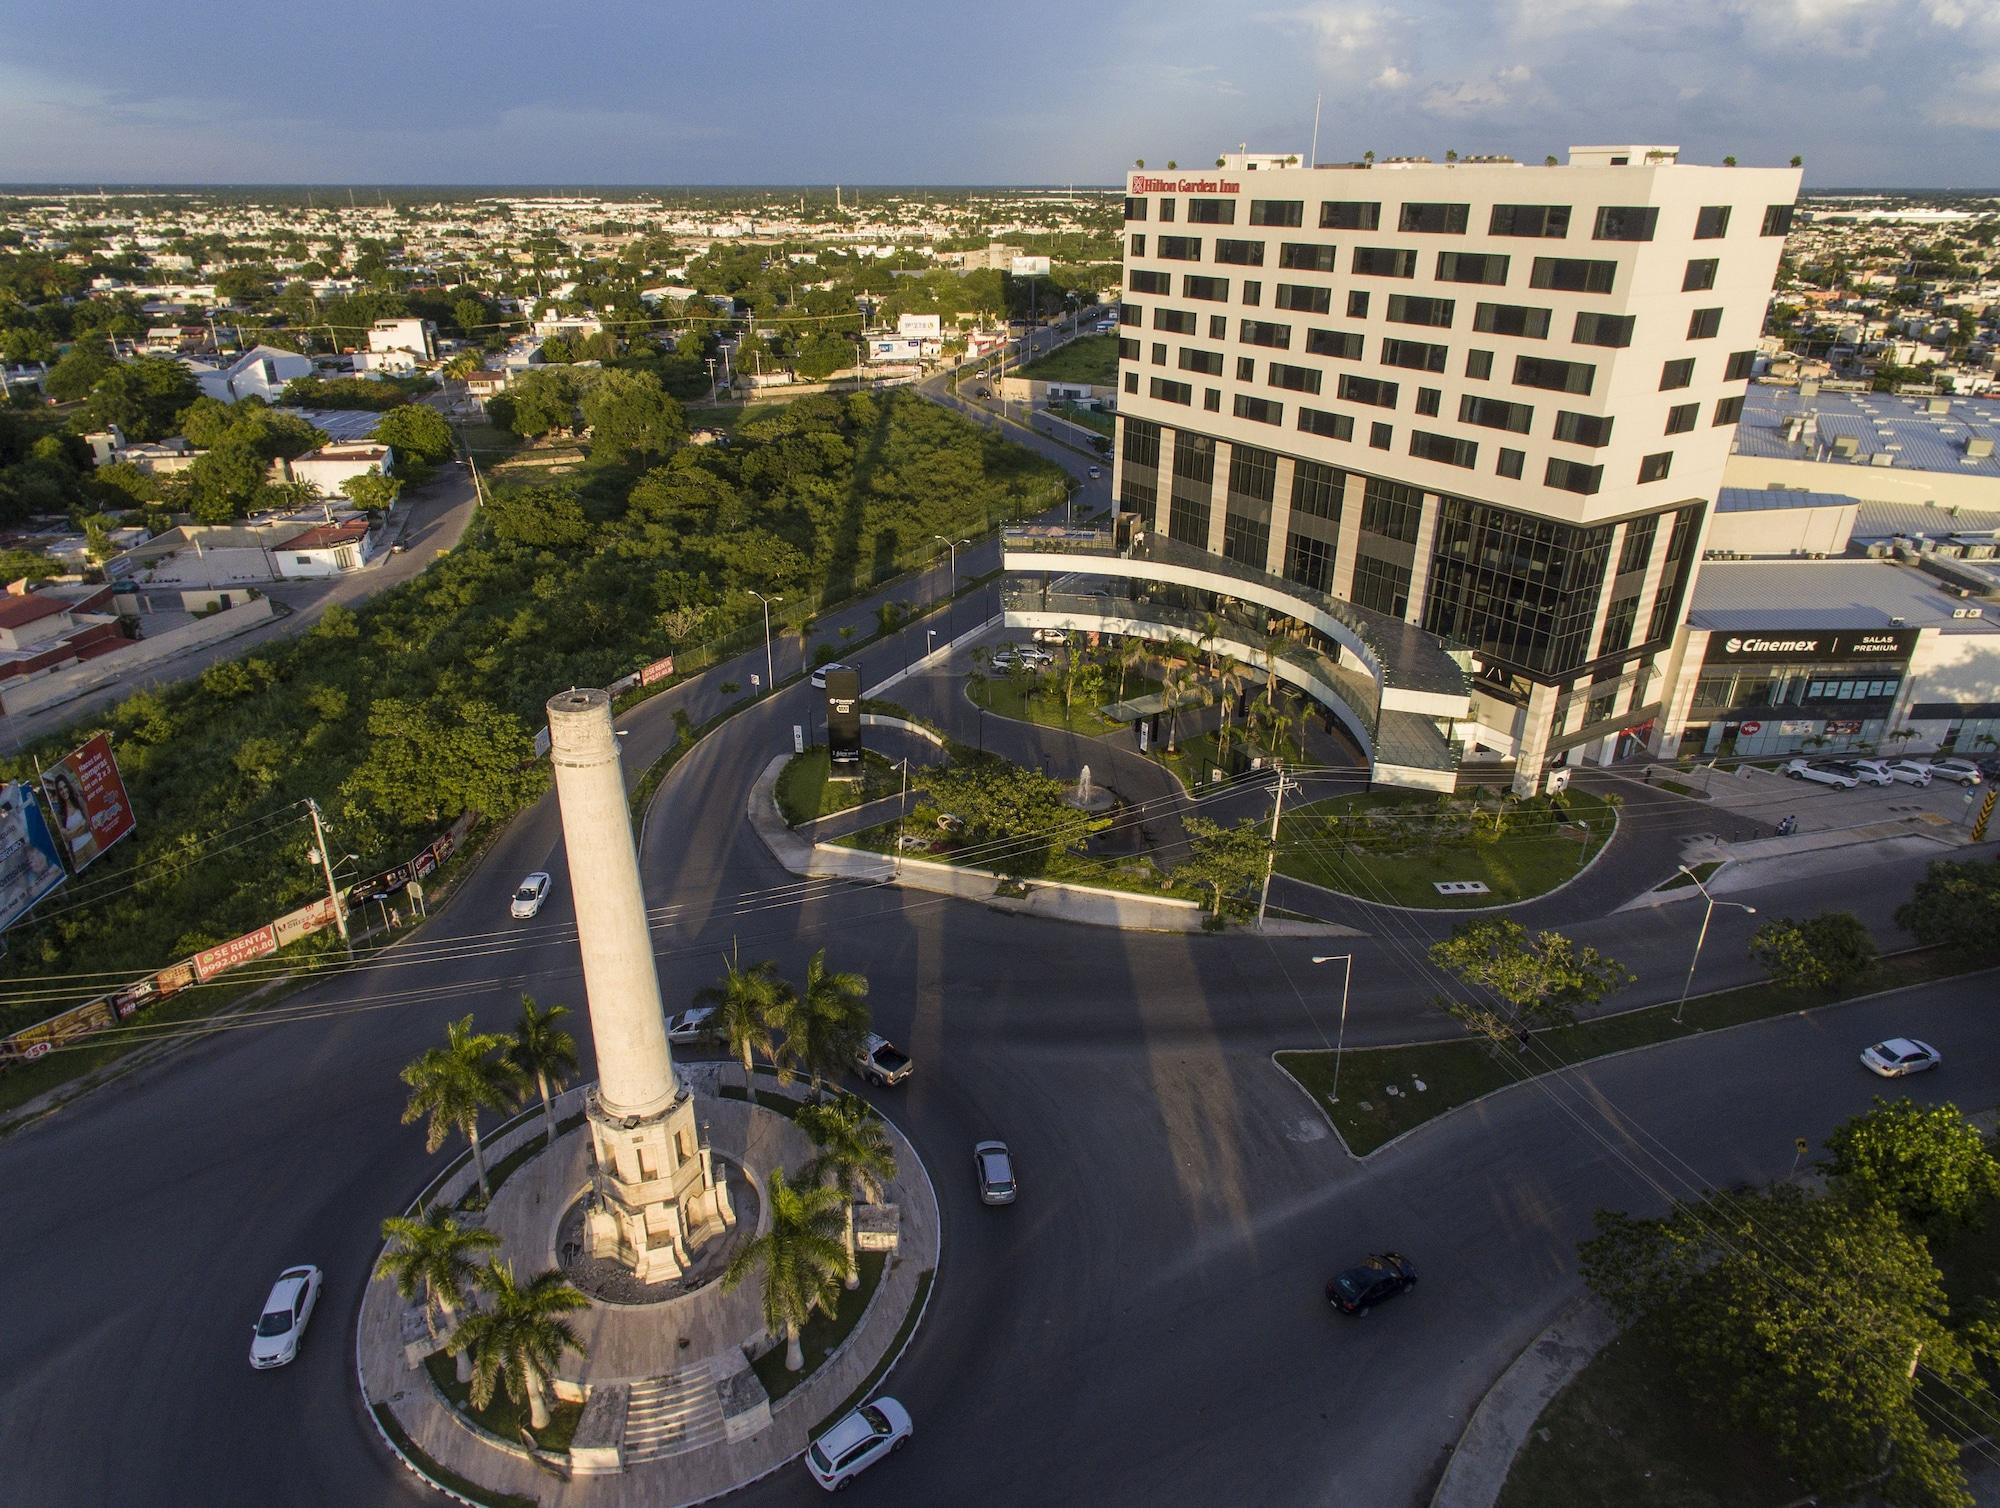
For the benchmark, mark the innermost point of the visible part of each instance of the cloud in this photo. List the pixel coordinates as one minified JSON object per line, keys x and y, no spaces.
{"x":1391,"y":77}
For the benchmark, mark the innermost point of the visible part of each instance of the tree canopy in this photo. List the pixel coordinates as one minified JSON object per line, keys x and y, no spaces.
{"x":1540,"y":981}
{"x":1956,"y":905}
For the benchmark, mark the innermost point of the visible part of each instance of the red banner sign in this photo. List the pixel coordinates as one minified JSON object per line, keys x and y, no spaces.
{"x":1144,"y":185}
{"x":87,"y":796}
{"x":659,"y":670}
{"x":238,"y":950}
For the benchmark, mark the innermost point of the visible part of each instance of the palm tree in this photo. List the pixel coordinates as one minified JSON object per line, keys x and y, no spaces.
{"x":828,"y":1020}
{"x":1273,"y":643}
{"x":432,"y":1255}
{"x":453,"y":1083}
{"x":803,"y":1258}
{"x":1230,"y":682}
{"x":1126,"y":655}
{"x":520,"y":1337}
{"x":1211,"y":630}
{"x":751,"y":1005}
{"x":542,"y":1051}
{"x":854,"y":1157}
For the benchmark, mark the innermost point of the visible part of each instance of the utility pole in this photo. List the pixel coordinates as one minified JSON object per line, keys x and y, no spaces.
{"x":326,"y":868}
{"x":1271,"y":858}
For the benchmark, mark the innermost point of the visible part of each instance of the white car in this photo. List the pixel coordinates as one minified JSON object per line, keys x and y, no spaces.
{"x":528,"y":899}
{"x":1095,"y":473}
{"x":994,"y":1165}
{"x":1910,"y":771}
{"x":857,"y":1442}
{"x":1964,"y":771}
{"x":1871,"y":771}
{"x":1805,"y":769}
{"x":818,"y":677}
{"x":691,"y":1025}
{"x":275,"y":1337}
{"x":1900,"y":1056}
{"x":1052,"y":636}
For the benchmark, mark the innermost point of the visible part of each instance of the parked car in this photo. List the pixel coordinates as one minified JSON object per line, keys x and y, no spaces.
{"x":691,"y":1025}
{"x":1910,"y":771}
{"x":1819,"y":774}
{"x":857,"y":1442}
{"x":995,"y":1167}
{"x":1382,"y":1276}
{"x":275,"y":1337}
{"x":1051,"y":636}
{"x":1964,"y":771}
{"x":1028,"y":654}
{"x":1900,"y":1056}
{"x":1095,"y":473}
{"x":1869,"y":771}
{"x":528,"y":899}
{"x":818,"y":677}
{"x":880,"y":1061}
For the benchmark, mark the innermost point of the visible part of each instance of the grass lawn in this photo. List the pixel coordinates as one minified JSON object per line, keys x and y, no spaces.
{"x":443,"y":1475}
{"x":500,"y":1417}
{"x":823,"y":1332}
{"x":1625,"y":1434}
{"x":1090,"y":418}
{"x":1679,"y":789}
{"x":1377,"y":846}
{"x":1040,"y":704}
{"x":1197,"y":755}
{"x":1135,"y":873}
{"x":804,"y":791}
{"x":1454,"y":1073}
{"x":1090,"y":358}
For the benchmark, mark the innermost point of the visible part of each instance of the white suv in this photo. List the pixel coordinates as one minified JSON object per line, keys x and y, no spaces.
{"x":1964,"y":771}
{"x":1910,"y":771}
{"x":857,"y":1442}
{"x":1871,"y":771}
{"x":1805,"y":769}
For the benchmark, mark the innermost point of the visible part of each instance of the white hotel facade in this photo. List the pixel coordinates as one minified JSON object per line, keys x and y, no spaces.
{"x":1439,"y":440}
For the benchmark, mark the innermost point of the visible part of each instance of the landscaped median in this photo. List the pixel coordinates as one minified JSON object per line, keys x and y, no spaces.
{"x":1430,"y":1078}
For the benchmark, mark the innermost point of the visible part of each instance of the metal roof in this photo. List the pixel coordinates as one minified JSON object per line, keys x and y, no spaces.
{"x":1822,"y":594}
{"x":1897,"y":430}
{"x":1762,"y":499}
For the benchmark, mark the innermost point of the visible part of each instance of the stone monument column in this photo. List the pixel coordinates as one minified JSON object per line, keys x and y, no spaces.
{"x":653,"y":1180}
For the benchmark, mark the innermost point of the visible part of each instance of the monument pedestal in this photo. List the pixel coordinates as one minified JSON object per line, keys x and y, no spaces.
{"x":656,"y":1188}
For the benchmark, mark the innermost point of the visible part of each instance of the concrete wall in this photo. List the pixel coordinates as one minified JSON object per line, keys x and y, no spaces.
{"x":62,"y":685}
{"x":1784,"y":531}
{"x":1079,"y":903}
{"x":1872,"y":484}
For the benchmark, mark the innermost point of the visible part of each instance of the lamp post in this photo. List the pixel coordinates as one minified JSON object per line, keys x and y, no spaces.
{"x":951,"y":602}
{"x":770,"y":675}
{"x":1702,"y":936}
{"x":930,"y":642}
{"x":1347,"y":979}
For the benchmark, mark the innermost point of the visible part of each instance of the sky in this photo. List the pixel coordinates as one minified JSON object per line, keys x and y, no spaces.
{"x":1895,"y":93}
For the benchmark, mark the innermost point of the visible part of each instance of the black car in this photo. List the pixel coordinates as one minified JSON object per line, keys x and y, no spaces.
{"x":1382,"y":1276}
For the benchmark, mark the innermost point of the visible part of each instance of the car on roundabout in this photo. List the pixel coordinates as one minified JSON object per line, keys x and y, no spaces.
{"x":281,"y":1325}
{"x":994,"y":1166}
{"x":695,"y":1024}
{"x":820,"y":673}
{"x":856,"y":1442}
{"x":529,"y":897}
{"x":1359,"y":1289}
{"x":1899,"y":1057}
{"x":1818,"y":774}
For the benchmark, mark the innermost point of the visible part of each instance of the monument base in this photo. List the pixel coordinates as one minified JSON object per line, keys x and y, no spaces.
{"x":655,"y":1188}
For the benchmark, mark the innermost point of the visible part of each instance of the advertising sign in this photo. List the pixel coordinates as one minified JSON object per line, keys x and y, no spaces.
{"x":32,"y":1042}
{"x":659,"y":670}
{"x":894,"y":348}
{"x":920,"y":326}
{"x":223,"y":957}
{"x":1027,"y":267}
{"x":303,"y":922}
{"x":1827,"y":645}
{"x":1843,"y":727}
{"x":843,"y":716}
{"x":1144,"y":185}
{"x":88,"y":799}
{"x":29,"y":864}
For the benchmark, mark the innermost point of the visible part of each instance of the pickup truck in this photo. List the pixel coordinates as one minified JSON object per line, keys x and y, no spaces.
{"x":881,"y":1061}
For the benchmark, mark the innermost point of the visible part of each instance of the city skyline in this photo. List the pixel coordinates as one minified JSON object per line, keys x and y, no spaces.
{"x":1040,"y":94}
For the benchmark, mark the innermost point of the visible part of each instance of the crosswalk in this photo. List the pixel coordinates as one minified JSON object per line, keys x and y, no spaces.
{"x":667,"y":1415}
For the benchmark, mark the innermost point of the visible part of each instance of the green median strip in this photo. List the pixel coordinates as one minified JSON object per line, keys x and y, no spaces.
{"x":1454,"y":1073}
{"x":823,"y":1333}
{"x":889,"y":1357}
{"x":444,"y":1476}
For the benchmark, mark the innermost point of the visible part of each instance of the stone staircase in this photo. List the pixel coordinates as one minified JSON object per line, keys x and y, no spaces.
{"x":667,"y":1415}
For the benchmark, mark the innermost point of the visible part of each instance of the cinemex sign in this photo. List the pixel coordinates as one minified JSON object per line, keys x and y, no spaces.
{"x":1142,"y":185}
{"x":1829,"y":646}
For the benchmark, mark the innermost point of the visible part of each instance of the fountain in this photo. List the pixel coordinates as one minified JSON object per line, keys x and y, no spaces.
{"x":1088,"y":796}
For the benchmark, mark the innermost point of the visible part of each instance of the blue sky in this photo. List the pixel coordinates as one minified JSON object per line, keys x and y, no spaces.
{"x":1892,"y":92}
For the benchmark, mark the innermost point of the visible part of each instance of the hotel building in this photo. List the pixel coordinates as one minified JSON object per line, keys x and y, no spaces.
{"x":1437,"y":442}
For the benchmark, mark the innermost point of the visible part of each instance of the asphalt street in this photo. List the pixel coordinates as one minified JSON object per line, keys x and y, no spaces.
{"x":1145,"y":1326}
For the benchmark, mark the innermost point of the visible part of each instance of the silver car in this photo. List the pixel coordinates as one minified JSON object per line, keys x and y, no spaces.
{"x":1805,"y":769}
{"x":1964,"y":771}
{"x":994,"y":1165}
{"x":1900,"y":1056}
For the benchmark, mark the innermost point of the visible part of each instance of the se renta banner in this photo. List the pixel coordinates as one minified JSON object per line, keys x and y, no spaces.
{"x":30,"y":865}
{"x":87,"y":796}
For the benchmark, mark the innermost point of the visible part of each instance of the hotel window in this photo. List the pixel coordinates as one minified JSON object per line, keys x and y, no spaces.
{"x":1380,"y":435}
{"x":1211,"y":212}
{"x":1546,"y":221}
{"x":1381,"y":586}
{"x":1711,"y":222}
{"x":1613,"y":330}
{"x":1677,"y":373}
{"x":1384,"y":262}
{"x":1301,"y":256}
{"x":1654,"y":468}
{"x":1511,"y":463}
{"x":1246,"y":539}
{"x":1253,"y":292}
{"x":1309,"y":562}
{"x":1316,"y":421}
{"x":1209,"y":362}
{"x":1391,"y":510}
{"x":1258,"y":332}
{"x":1416,"y":355}
{"x":1209,"y":290}
{"x":1131,"y":314}
{"x":1159,"y":353}
{"x":1700,"y":275}
{"x":1211,"y":399}
{"x":1443,"y":449}
{"x":1140,"y":280}
{"x":1136,"y":245}
{"x":1218,"y":327}
{"x":1471,"y":267}
{"x":1556,"y":376}
{"x":1298,"y":379}
{"x":1172,"y":392}
{"x":1304,"y":300}
{"x":1408,"y":309}
{"x":1345,"y":344}
{"x":1729,"y":411}
{"x":1174,"y":321}
{"x":1128,"y":349}
{"x":1573,"y":275}
{"x":1681,"y":417}
{"x":1132,"y":382}
{"x":1495,"y":413}
{"x":1179,"y":248}
{"x":1240,"y":253}
{"x":1626,"y":222}
{"x":1193,"y":488}
{"x":1429,"y":400}
{"x":1583,"y":429}
{"x":1777,"y":220}
{"x":1638,"y":546}
{"x":1511,"y":319}
{"x":1350,"y":215}
{"x":1287,"y":212}
{"x":1246,"y":369}
{"x":1479,"y":365}
{"x":1620,"y":614}
{"x":1166,"y":211}
{"x":1739,"y":366}
{"x":1704,"y":324}
{"x":1135,"y":207}
{"x":1434,"y":219}
{"x":1317,"y":489}
{"x":1263,"y":410}
{"x":1370,"y":390}
{"x":1573,"y":476}
{"x":1357,"y":303}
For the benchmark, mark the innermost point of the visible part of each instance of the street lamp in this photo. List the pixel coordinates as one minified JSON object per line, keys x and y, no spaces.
{"x":1347,"y":978}
{"x":951,"y":603}
{"x":770,"y":676}
{"x":1702,"y":936}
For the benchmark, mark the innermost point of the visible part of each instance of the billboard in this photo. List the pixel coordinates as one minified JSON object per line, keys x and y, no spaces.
{"x":894,"y":348}
{"x":659,"y":670}
{"x":1024,"y":267}
{"x":1828,"y":646}
{"x":88,"y":798}
{"x":920,"y":326}
{"x":30,"y":866}
{"x":93,"y":1015}
{"x":223,"y":957}
{"x":843,"y":717}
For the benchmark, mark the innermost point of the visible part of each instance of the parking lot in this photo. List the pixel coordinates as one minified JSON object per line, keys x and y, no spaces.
{"x":1767,"y":797}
